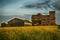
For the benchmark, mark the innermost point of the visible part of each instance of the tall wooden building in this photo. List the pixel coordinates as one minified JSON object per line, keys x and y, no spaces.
{"x":40,"y":19}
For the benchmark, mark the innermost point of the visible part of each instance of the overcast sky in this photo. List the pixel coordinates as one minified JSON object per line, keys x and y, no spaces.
{"x":29,"y":7}
{"x":20,"y":7}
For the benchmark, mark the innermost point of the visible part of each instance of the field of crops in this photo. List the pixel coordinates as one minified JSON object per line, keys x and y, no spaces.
{"x":30,"y":33}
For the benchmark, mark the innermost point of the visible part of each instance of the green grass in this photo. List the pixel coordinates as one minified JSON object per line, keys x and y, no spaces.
{"x":30,"y":33}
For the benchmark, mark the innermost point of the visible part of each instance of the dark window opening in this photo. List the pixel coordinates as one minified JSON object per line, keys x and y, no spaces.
{"x":39,"y":21}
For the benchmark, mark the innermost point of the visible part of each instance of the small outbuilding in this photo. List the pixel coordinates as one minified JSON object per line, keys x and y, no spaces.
{"x":27,"y":23}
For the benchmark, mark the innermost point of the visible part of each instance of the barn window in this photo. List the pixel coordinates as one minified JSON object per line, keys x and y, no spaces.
{"x":39,"y":21}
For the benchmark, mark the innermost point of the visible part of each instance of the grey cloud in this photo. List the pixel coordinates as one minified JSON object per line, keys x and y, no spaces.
{"x":44,"y":5}
{"x":56,"y":5}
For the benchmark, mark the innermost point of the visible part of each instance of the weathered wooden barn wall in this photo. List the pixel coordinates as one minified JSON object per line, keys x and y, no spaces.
{"x":40,"y":19}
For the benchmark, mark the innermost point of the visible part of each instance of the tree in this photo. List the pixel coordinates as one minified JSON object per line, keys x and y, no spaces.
{"x":3,"y":24}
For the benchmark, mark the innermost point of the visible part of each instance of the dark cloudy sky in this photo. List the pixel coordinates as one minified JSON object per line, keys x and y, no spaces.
{"x":29,"y":7}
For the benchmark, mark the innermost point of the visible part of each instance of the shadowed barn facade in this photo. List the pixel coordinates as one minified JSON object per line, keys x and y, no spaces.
{"x":16,"y":22}
{"x":40,"y":19}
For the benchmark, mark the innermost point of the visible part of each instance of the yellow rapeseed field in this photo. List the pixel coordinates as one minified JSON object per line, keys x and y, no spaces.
{"x":30,"y":33}
{"x":27,"y":28}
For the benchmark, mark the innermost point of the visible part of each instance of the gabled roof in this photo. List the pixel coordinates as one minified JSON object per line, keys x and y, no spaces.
{"x":15,"y":19}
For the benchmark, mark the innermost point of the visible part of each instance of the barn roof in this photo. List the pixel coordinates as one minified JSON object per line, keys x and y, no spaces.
{"x":15,"y":19}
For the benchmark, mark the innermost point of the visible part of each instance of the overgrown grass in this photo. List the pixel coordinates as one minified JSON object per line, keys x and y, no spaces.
{"x":30,"y":33}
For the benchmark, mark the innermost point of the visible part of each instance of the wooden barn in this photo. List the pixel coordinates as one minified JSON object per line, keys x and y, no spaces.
{"x":16,"y":22}
{"x":40,"y":19}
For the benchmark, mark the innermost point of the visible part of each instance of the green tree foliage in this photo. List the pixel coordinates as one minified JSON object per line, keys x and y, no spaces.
{"x":3,"y":24}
